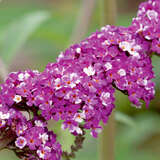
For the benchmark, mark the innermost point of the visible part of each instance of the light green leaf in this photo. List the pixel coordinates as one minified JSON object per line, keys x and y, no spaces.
{"x":124,"y":118}
{"x":156,"y":63}
{"x":17,"y":33}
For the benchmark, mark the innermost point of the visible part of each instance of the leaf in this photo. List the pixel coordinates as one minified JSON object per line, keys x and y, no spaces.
{"x":147,"y":124}
{"x":156,"y":63}
{"x":124,"y":118}
{"x":132,"y":143}
{"x":15,"y":36}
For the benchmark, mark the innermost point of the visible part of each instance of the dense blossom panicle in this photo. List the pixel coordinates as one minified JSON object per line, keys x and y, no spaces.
{"x":79,"y":88}
{"x":31,"y":134}
{"x":147,"y":23}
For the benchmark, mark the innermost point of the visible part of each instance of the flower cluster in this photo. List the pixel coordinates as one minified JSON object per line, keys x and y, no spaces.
{"x":79,"y":88}
{"x":147,"y":23}
{"x":31,"y":138}
{"x":87,"y":74}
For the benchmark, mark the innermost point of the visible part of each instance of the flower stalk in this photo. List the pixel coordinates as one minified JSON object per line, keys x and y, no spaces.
{"x":107,"y":138}
{"x":78,"y":144}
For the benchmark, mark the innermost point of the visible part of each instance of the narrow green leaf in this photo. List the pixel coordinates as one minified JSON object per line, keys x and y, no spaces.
{"x":17,"y":33}
{"x":123,"y":118}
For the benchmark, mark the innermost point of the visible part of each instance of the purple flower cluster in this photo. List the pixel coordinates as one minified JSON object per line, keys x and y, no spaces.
{"x":79,"y":88}
{"x":86,"y":75}
{"x":19,"y":118}
{"x":147,"y":23}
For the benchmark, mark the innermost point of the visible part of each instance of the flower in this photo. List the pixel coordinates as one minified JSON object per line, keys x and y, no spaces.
{"x":108,"y":66}
{"x":43,"y":152}
{"x":96,"y":131}
{"x":43,"y":137}
{"x":4,"y":116}
{"x":21,"y":142}
{"x":104,"y":97}
{"x":89,"y":71}
{"x":152,"y":14}
{"x":76,"y":130}
{"x":79,"y":117}
{"x":17,"y":98}
{"x":121,"y":72}
{"x":78,"y":89}
{"x":78,"y":50}
{"x":2,"y":123}
{"x":32,"y":137}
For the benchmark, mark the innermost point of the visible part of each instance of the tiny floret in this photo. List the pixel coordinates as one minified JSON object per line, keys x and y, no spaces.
{"x":122,"y":72}
{"x":90,"y":71}
{"x":17,"y":98}
{"x":21,"y":142}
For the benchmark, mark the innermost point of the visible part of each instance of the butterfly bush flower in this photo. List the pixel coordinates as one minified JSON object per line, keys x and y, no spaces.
{"x":147,"y":23}
{"x":21,"y":142}
{"x":79,"y":88}
{"x":30,"y":134}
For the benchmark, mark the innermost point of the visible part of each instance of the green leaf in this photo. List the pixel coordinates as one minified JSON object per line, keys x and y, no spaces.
{"x":124,"y":118}
{"x":141,"y":141}
{"x":156,"y":63}
{"x":15,"y":36}
{"x":147,"y":124}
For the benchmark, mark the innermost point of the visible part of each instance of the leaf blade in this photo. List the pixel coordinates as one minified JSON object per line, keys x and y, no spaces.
{"x":15,"y":36}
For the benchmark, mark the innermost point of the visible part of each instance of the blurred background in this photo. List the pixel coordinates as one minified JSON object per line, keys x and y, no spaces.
{"x":34,"y":32}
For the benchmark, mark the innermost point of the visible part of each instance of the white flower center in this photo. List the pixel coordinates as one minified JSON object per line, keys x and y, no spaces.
{"x":122,"y":72}
{"x":78,"y":50}
{"x":108,"y":66}
{"x":21,"y":77}
{"x":151,"y":14}
{"x":105,"y":95}
{"x":4,"y":116}
{"x":125,"y":46}
{"x":17,"y":98}
{"x":89,"y":71}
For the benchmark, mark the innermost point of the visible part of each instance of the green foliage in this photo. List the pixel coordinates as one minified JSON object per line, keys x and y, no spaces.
{"x":16,"y":34}
{"x":156,"y":64}
{"x":134,"y":143}
{"x":124,"y":119}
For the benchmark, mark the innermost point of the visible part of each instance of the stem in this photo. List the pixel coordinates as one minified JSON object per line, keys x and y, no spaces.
{"x":107,"y":139}
{"x":123,"y":91}
{"x":5,"y":142}
{"x":78,"y":144}
{"x":6,"y":139}
{"x":3,"y":70}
